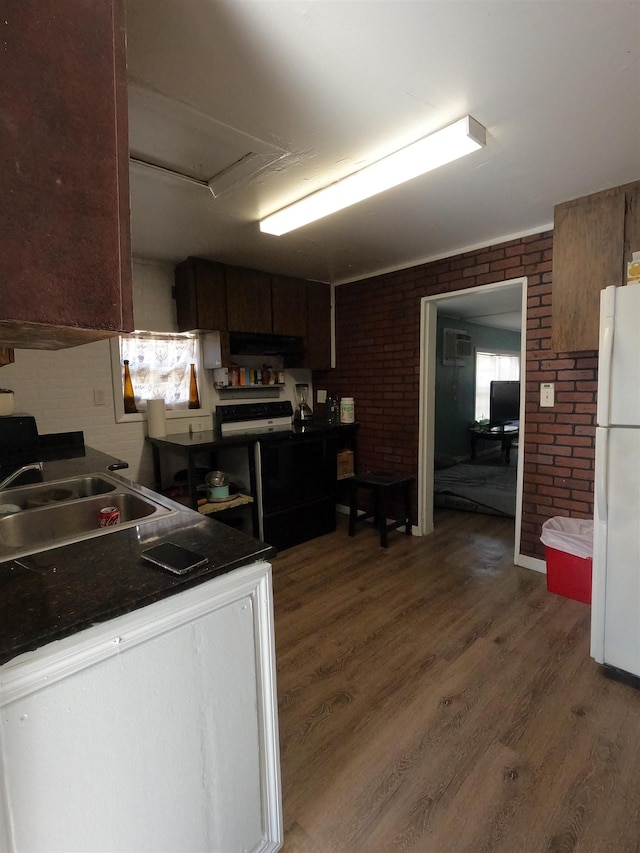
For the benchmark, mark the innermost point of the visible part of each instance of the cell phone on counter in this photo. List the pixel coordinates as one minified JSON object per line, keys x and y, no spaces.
{"x":174,"y":558}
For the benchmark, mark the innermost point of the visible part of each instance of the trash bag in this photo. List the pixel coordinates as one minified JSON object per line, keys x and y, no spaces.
{"x":571,"y":535}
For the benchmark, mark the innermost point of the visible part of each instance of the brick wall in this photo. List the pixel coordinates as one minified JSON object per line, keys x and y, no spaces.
{"x":378,"y":363}
{"x":559,"y":441}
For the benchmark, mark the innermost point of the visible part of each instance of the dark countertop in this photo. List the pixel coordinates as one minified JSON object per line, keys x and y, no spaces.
{"x":88,"y":462}
{"x":212,"y":439}
{"x":56,"y":593}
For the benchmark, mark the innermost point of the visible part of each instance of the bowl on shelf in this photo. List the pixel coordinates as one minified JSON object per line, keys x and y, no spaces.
{"x":217,"y":478}
{"x":217,"y":485}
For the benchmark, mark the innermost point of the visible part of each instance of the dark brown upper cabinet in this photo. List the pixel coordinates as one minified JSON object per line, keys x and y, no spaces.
{"x":631,"y":221}
{"x":592,"y":241}
{"x":318,"y":348}
{"x":201,"y":295}
{"x":64,"y":222}
{"x":289,"y":305}
{"x":6,"y":356}
{"x":219,"y":297}
{"x":248,"y":300}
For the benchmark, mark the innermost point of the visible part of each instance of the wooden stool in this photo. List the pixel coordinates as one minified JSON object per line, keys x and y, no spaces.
{"x":382,"y":485}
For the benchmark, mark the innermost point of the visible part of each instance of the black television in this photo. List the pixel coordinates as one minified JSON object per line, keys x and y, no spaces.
{"x":504,"y":402}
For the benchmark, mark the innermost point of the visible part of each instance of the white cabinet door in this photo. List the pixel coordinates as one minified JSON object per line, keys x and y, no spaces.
{"x":157,"y":732}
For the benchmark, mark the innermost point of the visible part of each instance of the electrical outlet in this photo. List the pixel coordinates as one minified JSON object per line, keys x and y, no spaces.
{"x":321,"y":396}
{"x":98,"y":397}
{"x":547,"y":394}
{"x":199,"y":425}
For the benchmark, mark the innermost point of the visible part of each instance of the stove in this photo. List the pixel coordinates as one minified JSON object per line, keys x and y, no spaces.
{"x":255,"y":417}
{"x":294,"y":478}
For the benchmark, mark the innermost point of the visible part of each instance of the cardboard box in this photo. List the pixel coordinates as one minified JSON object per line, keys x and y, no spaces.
{"x":345,"y":464}
{"x":569,"y":575}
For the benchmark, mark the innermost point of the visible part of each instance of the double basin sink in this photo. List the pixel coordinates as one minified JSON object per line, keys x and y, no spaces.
{"x":61,"y":512}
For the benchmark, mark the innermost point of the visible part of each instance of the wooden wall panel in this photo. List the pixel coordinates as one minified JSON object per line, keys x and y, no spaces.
{"x":587,"y":256}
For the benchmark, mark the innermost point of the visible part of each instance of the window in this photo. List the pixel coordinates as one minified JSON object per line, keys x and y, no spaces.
{"x":160,"y":366}
{"x":490,"y":366}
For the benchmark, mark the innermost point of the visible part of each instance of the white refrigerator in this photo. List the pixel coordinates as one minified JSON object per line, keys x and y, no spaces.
{"x":615,"y":614}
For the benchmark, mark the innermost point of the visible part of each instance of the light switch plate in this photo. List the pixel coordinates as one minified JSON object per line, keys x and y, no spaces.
{"x":547,"y":394}
{"x":322,"y":396}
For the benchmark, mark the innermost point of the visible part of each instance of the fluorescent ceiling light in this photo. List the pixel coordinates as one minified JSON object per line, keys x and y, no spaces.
{"x":460,"y":138}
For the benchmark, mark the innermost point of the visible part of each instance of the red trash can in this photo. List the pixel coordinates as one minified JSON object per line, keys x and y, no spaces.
{"x":569,"y":556}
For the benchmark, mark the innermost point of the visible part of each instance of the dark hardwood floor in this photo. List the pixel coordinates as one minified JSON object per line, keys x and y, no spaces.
{"x":435,"y":697}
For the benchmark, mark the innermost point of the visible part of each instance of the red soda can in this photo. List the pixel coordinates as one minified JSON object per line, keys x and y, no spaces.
{"x":109,"y":515}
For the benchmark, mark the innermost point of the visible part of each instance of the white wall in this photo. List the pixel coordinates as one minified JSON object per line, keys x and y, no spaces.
{"x":58,"y":388}
{"x":63,"y":388}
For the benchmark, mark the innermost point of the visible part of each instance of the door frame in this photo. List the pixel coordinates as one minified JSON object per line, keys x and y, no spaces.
{"x":426,"y":419}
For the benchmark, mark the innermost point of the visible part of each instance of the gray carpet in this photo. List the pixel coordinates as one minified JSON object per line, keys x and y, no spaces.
{"x":489,"y":489}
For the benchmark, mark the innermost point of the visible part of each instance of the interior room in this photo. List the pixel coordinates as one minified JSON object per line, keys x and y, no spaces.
{"x":475,"y":464}
{"x":319,"y":445}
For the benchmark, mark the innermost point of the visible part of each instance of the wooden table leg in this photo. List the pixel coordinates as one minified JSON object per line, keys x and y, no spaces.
{"x":407,"y":507}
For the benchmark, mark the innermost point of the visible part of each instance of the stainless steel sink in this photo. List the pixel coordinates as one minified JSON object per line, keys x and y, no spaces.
{"x":69,"y":489}
{"x":74,"y":519}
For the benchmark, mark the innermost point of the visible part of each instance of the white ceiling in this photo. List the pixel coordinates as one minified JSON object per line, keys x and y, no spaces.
{"x":500,"y":307}
{"x":315,"y":89}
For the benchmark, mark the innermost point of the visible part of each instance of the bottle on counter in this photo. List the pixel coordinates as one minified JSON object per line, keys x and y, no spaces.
{"x":194,"y":399}
{"x":328,"y":409}
{"x":333,"y":411}
{"x":129,"y":397}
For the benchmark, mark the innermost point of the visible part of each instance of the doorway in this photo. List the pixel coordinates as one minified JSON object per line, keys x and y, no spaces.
{"x":499,"y":303}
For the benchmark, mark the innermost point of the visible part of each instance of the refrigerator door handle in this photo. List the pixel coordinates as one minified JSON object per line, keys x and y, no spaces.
{"x":607,"y":320}
{"x":602,"y":446}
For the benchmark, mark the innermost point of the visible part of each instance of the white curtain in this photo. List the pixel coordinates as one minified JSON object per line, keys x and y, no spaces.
{"x":160,"y":367}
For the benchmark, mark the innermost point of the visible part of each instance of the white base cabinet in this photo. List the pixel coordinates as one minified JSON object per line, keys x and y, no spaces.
{"x":156,"y":731}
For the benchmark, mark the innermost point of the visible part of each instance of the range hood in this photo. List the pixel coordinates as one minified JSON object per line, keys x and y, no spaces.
{"x":250,"y":343}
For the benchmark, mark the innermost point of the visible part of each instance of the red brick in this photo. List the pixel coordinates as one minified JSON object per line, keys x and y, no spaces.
{"x":371,"y":317}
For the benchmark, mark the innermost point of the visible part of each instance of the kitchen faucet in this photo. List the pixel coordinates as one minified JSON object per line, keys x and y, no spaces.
{"x":33,"y":466}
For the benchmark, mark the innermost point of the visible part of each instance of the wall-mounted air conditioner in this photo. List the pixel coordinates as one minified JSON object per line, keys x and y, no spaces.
{"x":457,"y":347}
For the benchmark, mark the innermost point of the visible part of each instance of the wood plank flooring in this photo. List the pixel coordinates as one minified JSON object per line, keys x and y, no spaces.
{"x":434,"y":697}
